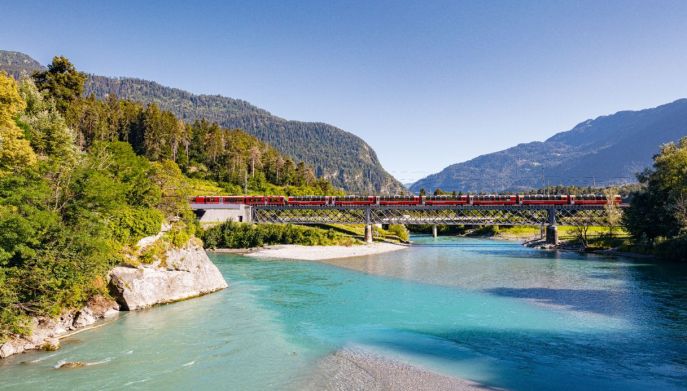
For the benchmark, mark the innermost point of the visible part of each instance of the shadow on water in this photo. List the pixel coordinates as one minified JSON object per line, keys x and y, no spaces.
{"x":598,"y":301}
{"x":526,"y":359}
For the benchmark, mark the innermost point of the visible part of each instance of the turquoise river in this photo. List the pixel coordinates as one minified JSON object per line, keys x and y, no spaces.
{"x":493,"y":312}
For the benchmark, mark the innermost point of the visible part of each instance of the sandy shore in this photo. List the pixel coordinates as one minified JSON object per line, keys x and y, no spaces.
{"x":357,"y":370}
{"x":318,"y":253}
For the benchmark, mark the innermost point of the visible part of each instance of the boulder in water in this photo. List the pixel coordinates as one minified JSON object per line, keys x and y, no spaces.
{"x":70,"y":364}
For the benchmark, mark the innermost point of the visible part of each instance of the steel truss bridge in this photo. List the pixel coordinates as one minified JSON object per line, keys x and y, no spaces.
{"x":507,"y":215}
{"x":575,"y":215}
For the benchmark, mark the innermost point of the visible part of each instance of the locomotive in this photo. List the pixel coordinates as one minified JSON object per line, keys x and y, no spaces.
{"x":432,"y":200}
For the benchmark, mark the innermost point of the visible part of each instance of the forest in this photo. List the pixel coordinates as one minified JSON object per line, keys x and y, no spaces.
{"x":336,"y":155}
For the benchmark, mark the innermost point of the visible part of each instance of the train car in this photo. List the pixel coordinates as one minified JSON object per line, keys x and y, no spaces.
{"x":209,"y":200}
{"x":493,"y":199}
{"x":308,"y":200}
{"x":595,"y":199}
{"x":198,"y":200}
{"x":447,"y":200}
{"x":399,"y":200}
{"x":544,"y":199}
{"x":254,"y":200}
{"x":275,"y":200}
{"x":233,"y":200}
{"x":355,"y":200}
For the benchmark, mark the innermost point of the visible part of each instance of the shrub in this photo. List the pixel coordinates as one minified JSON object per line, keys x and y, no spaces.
{"x":240,"y":235}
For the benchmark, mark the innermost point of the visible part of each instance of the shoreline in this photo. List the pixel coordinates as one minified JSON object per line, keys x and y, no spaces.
{"x":317,"y":253}
{"x":359,"y":369}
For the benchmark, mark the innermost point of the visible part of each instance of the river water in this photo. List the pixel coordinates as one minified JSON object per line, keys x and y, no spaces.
{"x":488,"y":311}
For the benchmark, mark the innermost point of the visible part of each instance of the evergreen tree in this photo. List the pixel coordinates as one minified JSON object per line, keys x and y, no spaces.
{"x":61,"y":81}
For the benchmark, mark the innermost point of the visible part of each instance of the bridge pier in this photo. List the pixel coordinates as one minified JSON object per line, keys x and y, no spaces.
{"x":551,"y":234}
{"x":551,"y":228}
{"x":368,"y":225}
{"x":434,"y":231}
{"x":368,"y":233}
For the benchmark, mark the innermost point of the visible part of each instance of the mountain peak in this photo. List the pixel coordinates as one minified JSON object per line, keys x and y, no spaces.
{"x":609,"y":149}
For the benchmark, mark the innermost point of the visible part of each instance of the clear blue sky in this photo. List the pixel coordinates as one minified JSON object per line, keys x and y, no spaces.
{"x":425,"y":83}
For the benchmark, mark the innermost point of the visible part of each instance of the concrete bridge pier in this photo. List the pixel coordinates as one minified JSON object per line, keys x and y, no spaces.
{"x":368,"y":225}
{"x":368,"y":233}
{"x":434,"y":231}
{"x":551,"y":234}
{"x":551,"y":228}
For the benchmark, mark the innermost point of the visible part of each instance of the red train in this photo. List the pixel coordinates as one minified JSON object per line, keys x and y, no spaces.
{"x":463,"y":199}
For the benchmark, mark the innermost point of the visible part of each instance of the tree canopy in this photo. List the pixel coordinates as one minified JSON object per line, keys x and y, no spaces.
{"x":62,"y":81}
{"x":659,"y":210}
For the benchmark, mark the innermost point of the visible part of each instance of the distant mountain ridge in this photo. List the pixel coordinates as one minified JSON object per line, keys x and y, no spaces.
{"x":339,"y":156}
{"x":607,"y":150}
{"x":14,"y":63}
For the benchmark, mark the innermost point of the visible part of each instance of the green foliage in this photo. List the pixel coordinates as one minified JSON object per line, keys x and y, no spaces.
{"x":129,"y":224}
{"x":240,"y":235}
{"x":674,"y":249}
{"x":660,"y":209}
{"x":180,"y":234}
{"x":155,"y":252}
{"x":395,"y":231}
{"x":61,"y":81}
{"x":235,"y":160}
{"x":15,"y":150}
{"x":65,"y":221}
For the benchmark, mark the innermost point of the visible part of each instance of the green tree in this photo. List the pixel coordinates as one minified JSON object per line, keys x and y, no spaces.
{"x":61,"y":81}
{"x":15,"y":150}
{"x":658,"y":210}
{"x":46,"y":128}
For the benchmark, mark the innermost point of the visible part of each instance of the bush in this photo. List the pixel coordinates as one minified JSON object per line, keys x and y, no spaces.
{"x":129,"y":225}
{"x":400,"y":231}
{"x":240,"y":235}
{"x":673,"y":249}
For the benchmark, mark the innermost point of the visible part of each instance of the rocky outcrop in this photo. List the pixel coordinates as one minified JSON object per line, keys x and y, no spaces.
{"x":184,"y":273}
{"x":47,"y":331}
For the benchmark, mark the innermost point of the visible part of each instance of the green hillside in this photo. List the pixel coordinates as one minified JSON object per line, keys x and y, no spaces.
{"x":342,"y":158}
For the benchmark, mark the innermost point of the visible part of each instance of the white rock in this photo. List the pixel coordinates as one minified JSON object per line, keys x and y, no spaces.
{"x":84,"y":318}
{"x":46,"y":331}
{"x":7,"y":349}
{"x":189,"y":273}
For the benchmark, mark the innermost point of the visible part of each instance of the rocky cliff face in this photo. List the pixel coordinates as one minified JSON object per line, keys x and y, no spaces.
{"x":185,"y":273}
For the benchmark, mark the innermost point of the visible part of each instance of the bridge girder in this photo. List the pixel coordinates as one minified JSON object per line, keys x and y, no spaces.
{"x":575,"y":215}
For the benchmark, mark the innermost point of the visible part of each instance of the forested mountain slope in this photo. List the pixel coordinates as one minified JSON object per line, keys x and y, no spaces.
{"x":607,"y":150}
{"x":14,"y":63}
{"x":339,"y":156}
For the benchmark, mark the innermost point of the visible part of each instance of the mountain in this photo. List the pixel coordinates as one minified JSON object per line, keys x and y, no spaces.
{"x":14,"y":63}
{"x":339,"y":156}
{"x":607,"y":150}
